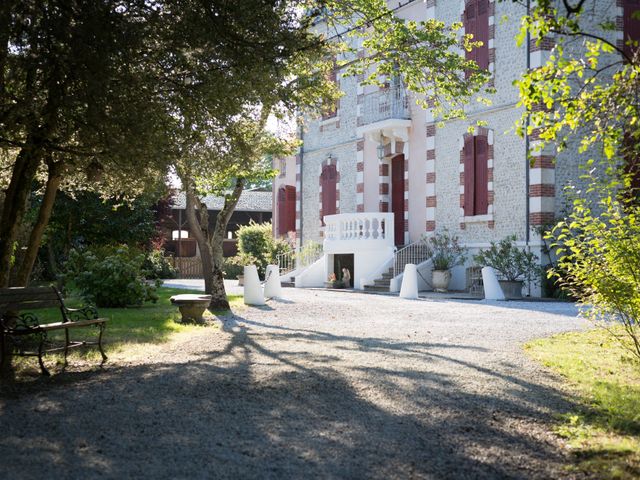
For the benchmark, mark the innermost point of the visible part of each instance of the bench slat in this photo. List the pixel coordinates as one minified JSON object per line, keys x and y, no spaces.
{"x":28,"y":305}
{"x":79,"y":323}
{"x":28,"y":291}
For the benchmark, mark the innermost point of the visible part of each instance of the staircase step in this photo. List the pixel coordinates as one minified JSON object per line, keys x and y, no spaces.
{"x":381,"y":282}
{"x":288,"y":284}
{"x":376,"y":288}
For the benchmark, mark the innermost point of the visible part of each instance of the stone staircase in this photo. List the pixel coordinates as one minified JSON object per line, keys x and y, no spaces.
{"x":381,"y":284}
{"x":288,"y":283}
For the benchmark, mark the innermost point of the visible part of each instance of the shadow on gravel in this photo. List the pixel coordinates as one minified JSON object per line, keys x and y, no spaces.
{"x":213,"y":418}
{"x":565,"y":309}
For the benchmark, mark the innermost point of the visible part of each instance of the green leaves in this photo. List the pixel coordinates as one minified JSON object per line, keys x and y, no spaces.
{"x":598,"y":251}
{"x":586,"y":91}
{"x":445,"y":250}
{"x":110,"y":276}
{"x":510,"y":261}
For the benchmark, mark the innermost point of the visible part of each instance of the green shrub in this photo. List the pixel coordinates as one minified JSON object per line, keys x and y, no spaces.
{"x":110,"y":276}
{"x":157,"y":265}
{"x":233,"y":266}
{"x":510,"y":261}
{"x":257,"y":246}
{"x":255,"y":239}
{"x":278,"y":247}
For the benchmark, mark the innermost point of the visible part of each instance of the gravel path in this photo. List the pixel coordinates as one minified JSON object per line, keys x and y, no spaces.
{"x":321,"y":385}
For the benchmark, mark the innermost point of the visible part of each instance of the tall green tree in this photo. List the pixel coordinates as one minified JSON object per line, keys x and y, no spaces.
{"x":78,"y":93}
{"x":224,"y":171}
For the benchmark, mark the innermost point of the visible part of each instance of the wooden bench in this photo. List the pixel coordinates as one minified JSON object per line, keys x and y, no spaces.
{"x":21,"y":331}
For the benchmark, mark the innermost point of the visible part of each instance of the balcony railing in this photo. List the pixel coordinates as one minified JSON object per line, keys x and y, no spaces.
{"x":366,"y":229}
{"x":386,"y":104}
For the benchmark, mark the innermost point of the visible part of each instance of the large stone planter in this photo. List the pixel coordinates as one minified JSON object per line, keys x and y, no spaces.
{"x":440,"y":280}
{"x":512,"y":289}
{"x":191,"y":306}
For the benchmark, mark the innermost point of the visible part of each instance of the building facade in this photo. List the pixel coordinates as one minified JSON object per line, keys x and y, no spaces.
{"x":379,"y":152}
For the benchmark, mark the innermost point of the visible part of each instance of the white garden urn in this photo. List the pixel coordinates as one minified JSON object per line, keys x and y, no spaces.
{"x":440,"y":280}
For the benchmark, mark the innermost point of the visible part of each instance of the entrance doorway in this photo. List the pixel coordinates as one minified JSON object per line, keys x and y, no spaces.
{"x":397,"y":197}
{"x":344,"y":260}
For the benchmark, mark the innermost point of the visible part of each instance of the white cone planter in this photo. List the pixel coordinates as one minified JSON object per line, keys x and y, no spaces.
{"x":252,"y":288}
{"x":272,"y":285}
{"x":492,"y":290}
{"x":409,"y":288}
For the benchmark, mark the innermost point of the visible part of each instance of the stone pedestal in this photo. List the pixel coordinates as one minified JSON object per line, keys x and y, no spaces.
{"x":409,"y":287}
{"x":191,"y":306}
{"x":272,"y":285}
{"x":253,"y":293}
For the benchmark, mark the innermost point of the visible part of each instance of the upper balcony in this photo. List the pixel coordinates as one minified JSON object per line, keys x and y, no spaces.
{"x":387,"y":113}
{"x":390,"y":103}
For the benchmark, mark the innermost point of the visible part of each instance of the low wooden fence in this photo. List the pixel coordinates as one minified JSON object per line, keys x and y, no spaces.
{"x":188,"y":267}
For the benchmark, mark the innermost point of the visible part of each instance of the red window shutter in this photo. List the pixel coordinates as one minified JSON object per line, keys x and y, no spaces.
{"x":329,"y":177}
{"x":481,"y":189}
{"x":282,"y":211}
{"x":631,"y":25}
{"x":482,"y":31}
{"x":470,"y":28}
{"x":291,"y":209}
{"x":469,"y":174}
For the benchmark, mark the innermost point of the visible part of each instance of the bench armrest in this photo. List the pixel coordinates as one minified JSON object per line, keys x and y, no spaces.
{"x":84,"y":313}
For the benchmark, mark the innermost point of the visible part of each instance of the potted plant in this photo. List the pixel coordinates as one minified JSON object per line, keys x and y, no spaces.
{"x":333,"y":282}
{"x":513,"y":265}
{"x":445,"y":252}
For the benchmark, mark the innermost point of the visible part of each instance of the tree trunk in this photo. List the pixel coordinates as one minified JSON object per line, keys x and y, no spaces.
{"x":35,"y":238}
{"x":218,"y":293}
{"x":53,"y":261}
{"x":200,"y":230}
{"x":15,"y":204}
{"x":210,"y":244}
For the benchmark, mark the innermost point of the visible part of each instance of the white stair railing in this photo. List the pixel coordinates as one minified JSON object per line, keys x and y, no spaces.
{"x":300,"y":258}
{"x":415,"y":253}
{"x":286,"y":262}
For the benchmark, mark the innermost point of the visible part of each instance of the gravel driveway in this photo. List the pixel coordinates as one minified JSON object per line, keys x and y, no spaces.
{"x":320,"y":385}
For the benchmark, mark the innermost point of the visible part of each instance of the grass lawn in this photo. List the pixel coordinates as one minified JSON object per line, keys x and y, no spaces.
{"x":128,"y":330}
{"x":605,"y":431}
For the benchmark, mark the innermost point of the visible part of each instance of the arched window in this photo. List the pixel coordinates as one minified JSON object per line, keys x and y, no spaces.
{"x":476,"y":23}
{"x":329,"y":178}
{"x":476,"y":186}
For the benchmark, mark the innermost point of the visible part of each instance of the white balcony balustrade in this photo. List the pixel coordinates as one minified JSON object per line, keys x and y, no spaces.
{"x":350,"y":232}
